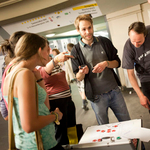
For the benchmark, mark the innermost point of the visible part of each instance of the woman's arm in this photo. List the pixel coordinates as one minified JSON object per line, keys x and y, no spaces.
{"x":59,"y":58}
{"x":41,"y":83}
{"x":24,"y":89}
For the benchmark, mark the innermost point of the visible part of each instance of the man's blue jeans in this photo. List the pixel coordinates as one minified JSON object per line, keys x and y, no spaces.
{"x":115,"y":101}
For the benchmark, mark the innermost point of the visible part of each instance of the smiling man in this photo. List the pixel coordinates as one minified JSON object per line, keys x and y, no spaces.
{"x":99,"y":57}
{"x":137,"y":54}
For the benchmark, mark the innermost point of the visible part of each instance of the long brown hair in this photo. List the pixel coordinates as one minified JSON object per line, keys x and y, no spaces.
{"x":28,"y":45}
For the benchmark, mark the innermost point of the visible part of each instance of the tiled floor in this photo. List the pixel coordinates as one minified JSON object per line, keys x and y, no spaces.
{"x":87,"y":118}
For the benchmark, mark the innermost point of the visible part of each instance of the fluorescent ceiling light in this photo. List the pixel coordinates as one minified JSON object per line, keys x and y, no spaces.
{"x":72,"y":32}
{"x":50,"y":35}
{"x":102,"y":33}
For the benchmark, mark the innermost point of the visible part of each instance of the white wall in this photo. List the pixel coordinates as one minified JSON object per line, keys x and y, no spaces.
{"x":146,"y":13}
{"x":118,"y":24}
{"x":1,"y":40}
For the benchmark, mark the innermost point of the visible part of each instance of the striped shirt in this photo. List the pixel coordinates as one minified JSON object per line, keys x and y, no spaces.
{"x":56,"y":84}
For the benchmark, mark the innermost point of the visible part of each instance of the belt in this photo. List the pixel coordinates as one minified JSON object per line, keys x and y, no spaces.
{"x":108,"y":91}
{"x":96,"y":96}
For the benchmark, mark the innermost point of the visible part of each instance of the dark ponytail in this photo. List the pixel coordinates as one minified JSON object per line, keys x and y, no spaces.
{"x":6,"y":49}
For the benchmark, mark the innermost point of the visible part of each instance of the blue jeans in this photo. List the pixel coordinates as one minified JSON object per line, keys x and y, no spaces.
{"x":115,"y":101}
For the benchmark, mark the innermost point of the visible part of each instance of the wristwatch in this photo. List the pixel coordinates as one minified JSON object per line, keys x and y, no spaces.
{"x":56,"y":120}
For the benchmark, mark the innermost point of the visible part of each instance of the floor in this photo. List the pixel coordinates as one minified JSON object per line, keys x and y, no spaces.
{"x":87,"y":118}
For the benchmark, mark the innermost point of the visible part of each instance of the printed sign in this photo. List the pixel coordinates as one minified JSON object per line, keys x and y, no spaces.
{"x":55,"y":20}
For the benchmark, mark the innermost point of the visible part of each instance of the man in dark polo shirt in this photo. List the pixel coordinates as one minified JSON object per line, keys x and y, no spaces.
{"x":137,"y":54}
{"x":99,"y":57}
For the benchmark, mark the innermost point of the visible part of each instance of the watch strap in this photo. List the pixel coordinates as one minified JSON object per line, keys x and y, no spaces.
{"x":56,"y":120}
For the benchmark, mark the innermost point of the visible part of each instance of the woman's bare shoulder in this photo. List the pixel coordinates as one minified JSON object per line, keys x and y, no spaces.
{"x":25,"y":74}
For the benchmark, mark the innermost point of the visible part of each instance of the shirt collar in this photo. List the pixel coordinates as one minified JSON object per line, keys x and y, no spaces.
{"x":95,"y":39}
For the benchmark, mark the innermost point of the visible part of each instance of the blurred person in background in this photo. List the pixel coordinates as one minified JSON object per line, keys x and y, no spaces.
{"x":80,"y":84}
{"x":59,"y":95}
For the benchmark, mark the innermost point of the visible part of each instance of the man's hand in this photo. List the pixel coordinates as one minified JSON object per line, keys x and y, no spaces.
{"x":83,"y":70}
{"x":81,"y":73}
{"x":145,"y":102}
{"x":100,"y":67}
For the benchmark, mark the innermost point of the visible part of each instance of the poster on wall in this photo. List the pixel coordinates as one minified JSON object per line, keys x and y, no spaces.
{"x":55,"y":20}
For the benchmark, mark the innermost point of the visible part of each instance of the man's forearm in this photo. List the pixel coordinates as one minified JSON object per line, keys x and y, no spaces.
{"x":112,"y":64}
{"x":80,"y":76}
{"x":134,"y":84}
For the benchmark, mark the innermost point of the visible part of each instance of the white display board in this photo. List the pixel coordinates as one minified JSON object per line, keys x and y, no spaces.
{"x":114,"y":134}
{"x":108,"y":132}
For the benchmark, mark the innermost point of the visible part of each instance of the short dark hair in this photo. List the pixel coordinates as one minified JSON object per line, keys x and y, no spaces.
{"x":86,"y":17}
{"x":70,"y":46}
{"x":138,"y":27}
{"x":56,"y":50}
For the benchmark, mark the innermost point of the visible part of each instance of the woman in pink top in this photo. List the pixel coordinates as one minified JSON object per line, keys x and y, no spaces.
{"x":7,"y":48}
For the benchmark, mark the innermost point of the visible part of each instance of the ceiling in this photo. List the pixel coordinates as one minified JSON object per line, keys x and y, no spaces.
{"x":17,"y":10}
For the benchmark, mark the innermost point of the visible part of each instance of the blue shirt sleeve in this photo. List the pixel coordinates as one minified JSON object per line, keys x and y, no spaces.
{"x":4,"y":111}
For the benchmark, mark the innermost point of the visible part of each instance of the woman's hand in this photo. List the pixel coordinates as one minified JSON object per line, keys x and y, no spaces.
{"x":62,"y":57}
{"x":37,"y":74}
{"x":59,"y":113}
